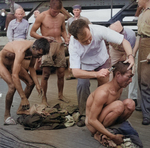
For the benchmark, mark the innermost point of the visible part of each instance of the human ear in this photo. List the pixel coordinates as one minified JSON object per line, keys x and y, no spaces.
{"x":34,"y":47}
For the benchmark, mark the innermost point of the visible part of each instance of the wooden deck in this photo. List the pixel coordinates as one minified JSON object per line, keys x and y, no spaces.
{"x":72,"y":137}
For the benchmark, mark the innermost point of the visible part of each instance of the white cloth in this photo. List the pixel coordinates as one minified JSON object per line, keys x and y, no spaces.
{"x":89,"y":57}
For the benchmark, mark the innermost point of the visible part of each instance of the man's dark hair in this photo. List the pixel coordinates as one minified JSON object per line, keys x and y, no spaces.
{"x":56,"y":4}
{"x":77,"y":27}
{"x":121,"y":67}
{"x":43,"y":44}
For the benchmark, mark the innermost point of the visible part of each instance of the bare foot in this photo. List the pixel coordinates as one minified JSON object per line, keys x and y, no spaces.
{"x":21,"y":111}
{"x":45,"y":103}
{"x":64,"y":99}
{"x":25,"y":104}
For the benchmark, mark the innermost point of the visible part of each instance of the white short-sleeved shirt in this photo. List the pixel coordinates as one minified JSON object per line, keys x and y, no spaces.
{"x":90,"y":57}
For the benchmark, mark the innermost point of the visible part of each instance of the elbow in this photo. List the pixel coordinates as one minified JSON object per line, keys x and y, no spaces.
{"x":31,"y":33}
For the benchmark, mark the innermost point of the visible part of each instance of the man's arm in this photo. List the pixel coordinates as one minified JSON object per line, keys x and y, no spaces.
{"x":128,"y":49}
{"x":64,"y":33}
{"x":15,"y":73}
{"x":36,"y":26}
{"x":83,"y":74}
{"x":99,"y":100}
{"x":34,"y":76}
{"x":136,"y":45}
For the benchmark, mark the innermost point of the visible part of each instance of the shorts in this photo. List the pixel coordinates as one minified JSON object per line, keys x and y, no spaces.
{"x":55,"y":57}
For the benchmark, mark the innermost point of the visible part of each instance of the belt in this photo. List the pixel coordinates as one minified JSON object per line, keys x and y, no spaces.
{"x":144,"y":36}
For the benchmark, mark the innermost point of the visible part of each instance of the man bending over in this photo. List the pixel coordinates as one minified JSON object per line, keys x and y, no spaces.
{"x":103,"y":107}
{"x":13,"y":68}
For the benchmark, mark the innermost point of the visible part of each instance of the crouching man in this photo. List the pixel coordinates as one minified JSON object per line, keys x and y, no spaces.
{"x":103,"y":107}
{"x":13,"y":65}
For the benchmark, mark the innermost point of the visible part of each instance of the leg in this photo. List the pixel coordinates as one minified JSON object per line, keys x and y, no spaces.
{"x":45,"y":76}
{"x":6,"y":76}
{"x":83,"y":91}
{"x":26,"y":78}
{"x":108,"y":116}
{"x":60,"y":81}
{"x":129,"y":107}
{"x":144,"y":81}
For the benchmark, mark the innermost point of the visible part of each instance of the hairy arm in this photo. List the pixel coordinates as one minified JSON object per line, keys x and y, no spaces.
{"x":79,"y":73}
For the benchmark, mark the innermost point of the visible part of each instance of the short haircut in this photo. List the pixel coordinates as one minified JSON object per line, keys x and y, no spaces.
{"x":121,"y":67}
{"x":56,"y":4}
{"x":77,"y":27}
{"x":43,"y":44}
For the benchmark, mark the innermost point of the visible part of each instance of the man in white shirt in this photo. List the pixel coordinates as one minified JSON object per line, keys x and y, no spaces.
{"x":89,"y":57}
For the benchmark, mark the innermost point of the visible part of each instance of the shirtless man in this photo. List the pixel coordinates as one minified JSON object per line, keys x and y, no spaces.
{"x":12,"y":70}
{"x":104,"y":108}
{"x":52,"y":25}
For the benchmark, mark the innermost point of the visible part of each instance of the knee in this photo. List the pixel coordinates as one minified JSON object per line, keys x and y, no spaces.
{"x":119,"y":107}
{"x":129,"y":104}
{"x":30,"y":83}
{"x":46,"y":74}
{"x":11,"y":88}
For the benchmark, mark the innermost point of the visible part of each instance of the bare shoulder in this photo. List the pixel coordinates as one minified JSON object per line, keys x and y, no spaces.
{"x":61,"y":16}
{"x":21,"y":45}
{"x":42,"y":15}
{"x":101,"y":93}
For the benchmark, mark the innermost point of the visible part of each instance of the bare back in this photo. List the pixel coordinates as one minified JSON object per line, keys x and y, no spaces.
{"x":13,"y":50}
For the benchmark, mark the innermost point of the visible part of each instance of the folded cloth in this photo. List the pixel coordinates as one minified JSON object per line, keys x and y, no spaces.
{"x":129,"y":132}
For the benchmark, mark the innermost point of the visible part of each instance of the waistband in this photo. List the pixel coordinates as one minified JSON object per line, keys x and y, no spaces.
{"x":143,"y":36}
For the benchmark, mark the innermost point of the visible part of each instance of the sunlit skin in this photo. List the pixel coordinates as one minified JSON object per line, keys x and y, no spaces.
{"x":13,"y":69}
{"x":103,"y":107}
{"x":52,"y":25}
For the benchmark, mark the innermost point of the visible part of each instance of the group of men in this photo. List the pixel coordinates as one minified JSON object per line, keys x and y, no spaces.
{"x":89,"y":58}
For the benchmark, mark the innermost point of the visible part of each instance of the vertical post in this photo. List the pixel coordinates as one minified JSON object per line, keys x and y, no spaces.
{"x":111,"y":8}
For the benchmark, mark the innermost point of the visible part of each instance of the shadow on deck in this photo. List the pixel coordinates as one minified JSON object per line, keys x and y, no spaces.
{"x":72,"y":137}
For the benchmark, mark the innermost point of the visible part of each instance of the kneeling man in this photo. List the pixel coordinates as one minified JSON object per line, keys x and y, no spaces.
{"x":103,"y":107}
{"x":14,"y":67}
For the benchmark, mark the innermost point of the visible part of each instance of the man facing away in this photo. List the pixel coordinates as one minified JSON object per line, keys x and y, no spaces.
{"x":89,"y":57}
{"x":18,"y":28}
{"x":52,"y":25}
{"x":12,"y":70}
{"x":103,"y":107}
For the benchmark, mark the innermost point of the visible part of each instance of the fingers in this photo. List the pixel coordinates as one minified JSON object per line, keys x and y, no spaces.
{"x":25,"y":107}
